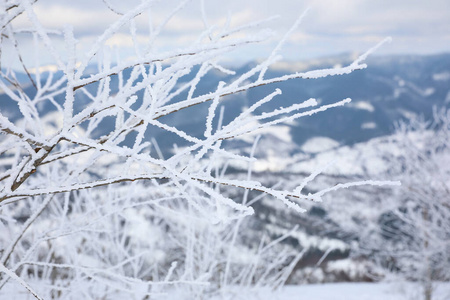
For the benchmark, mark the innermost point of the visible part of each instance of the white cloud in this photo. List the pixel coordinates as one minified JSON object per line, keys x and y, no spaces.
{"x":330,"y":27}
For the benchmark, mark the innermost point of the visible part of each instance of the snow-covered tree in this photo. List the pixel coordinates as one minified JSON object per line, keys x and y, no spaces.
{"x":413,"y":235}
{"x":90,"y":207}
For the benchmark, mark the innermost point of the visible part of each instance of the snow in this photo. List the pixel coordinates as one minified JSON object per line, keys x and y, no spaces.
{"x":364,"y":105}
{"x":328,"y":291}
{"x":273,"y":162}
{"x":348,"y":160}
{"x":281,"y":132}
{"x":444,"y":76}
{"x":351,"y":267}
{"x":369,"y":125}
{"x":428,"y":92}
{"x":356,"y":291}
{"x":311,"y":241}
{"x":342,"y":291}
{"x":319,"y":144}
{"x":407,"y":114}
{"x":360,"y":159}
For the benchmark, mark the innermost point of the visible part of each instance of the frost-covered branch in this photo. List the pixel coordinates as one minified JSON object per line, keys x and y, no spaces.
{"x":93,"y":200}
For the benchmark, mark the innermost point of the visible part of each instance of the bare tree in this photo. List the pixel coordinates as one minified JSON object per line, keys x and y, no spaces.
{"x":91,"y":207}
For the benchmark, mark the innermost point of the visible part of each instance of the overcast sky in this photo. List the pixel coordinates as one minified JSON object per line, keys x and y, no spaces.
{"x":330,"y":26}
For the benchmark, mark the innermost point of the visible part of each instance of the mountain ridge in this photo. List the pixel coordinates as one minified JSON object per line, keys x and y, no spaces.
{"x":392,"y":88}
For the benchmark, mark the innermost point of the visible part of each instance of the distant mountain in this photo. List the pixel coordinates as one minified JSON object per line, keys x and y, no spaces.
{"x":391,"y":89}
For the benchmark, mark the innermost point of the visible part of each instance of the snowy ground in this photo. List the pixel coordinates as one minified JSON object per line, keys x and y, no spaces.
{"x":361,"y":291}
{"x":347,"y":291}
{"x":329,"y":291}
